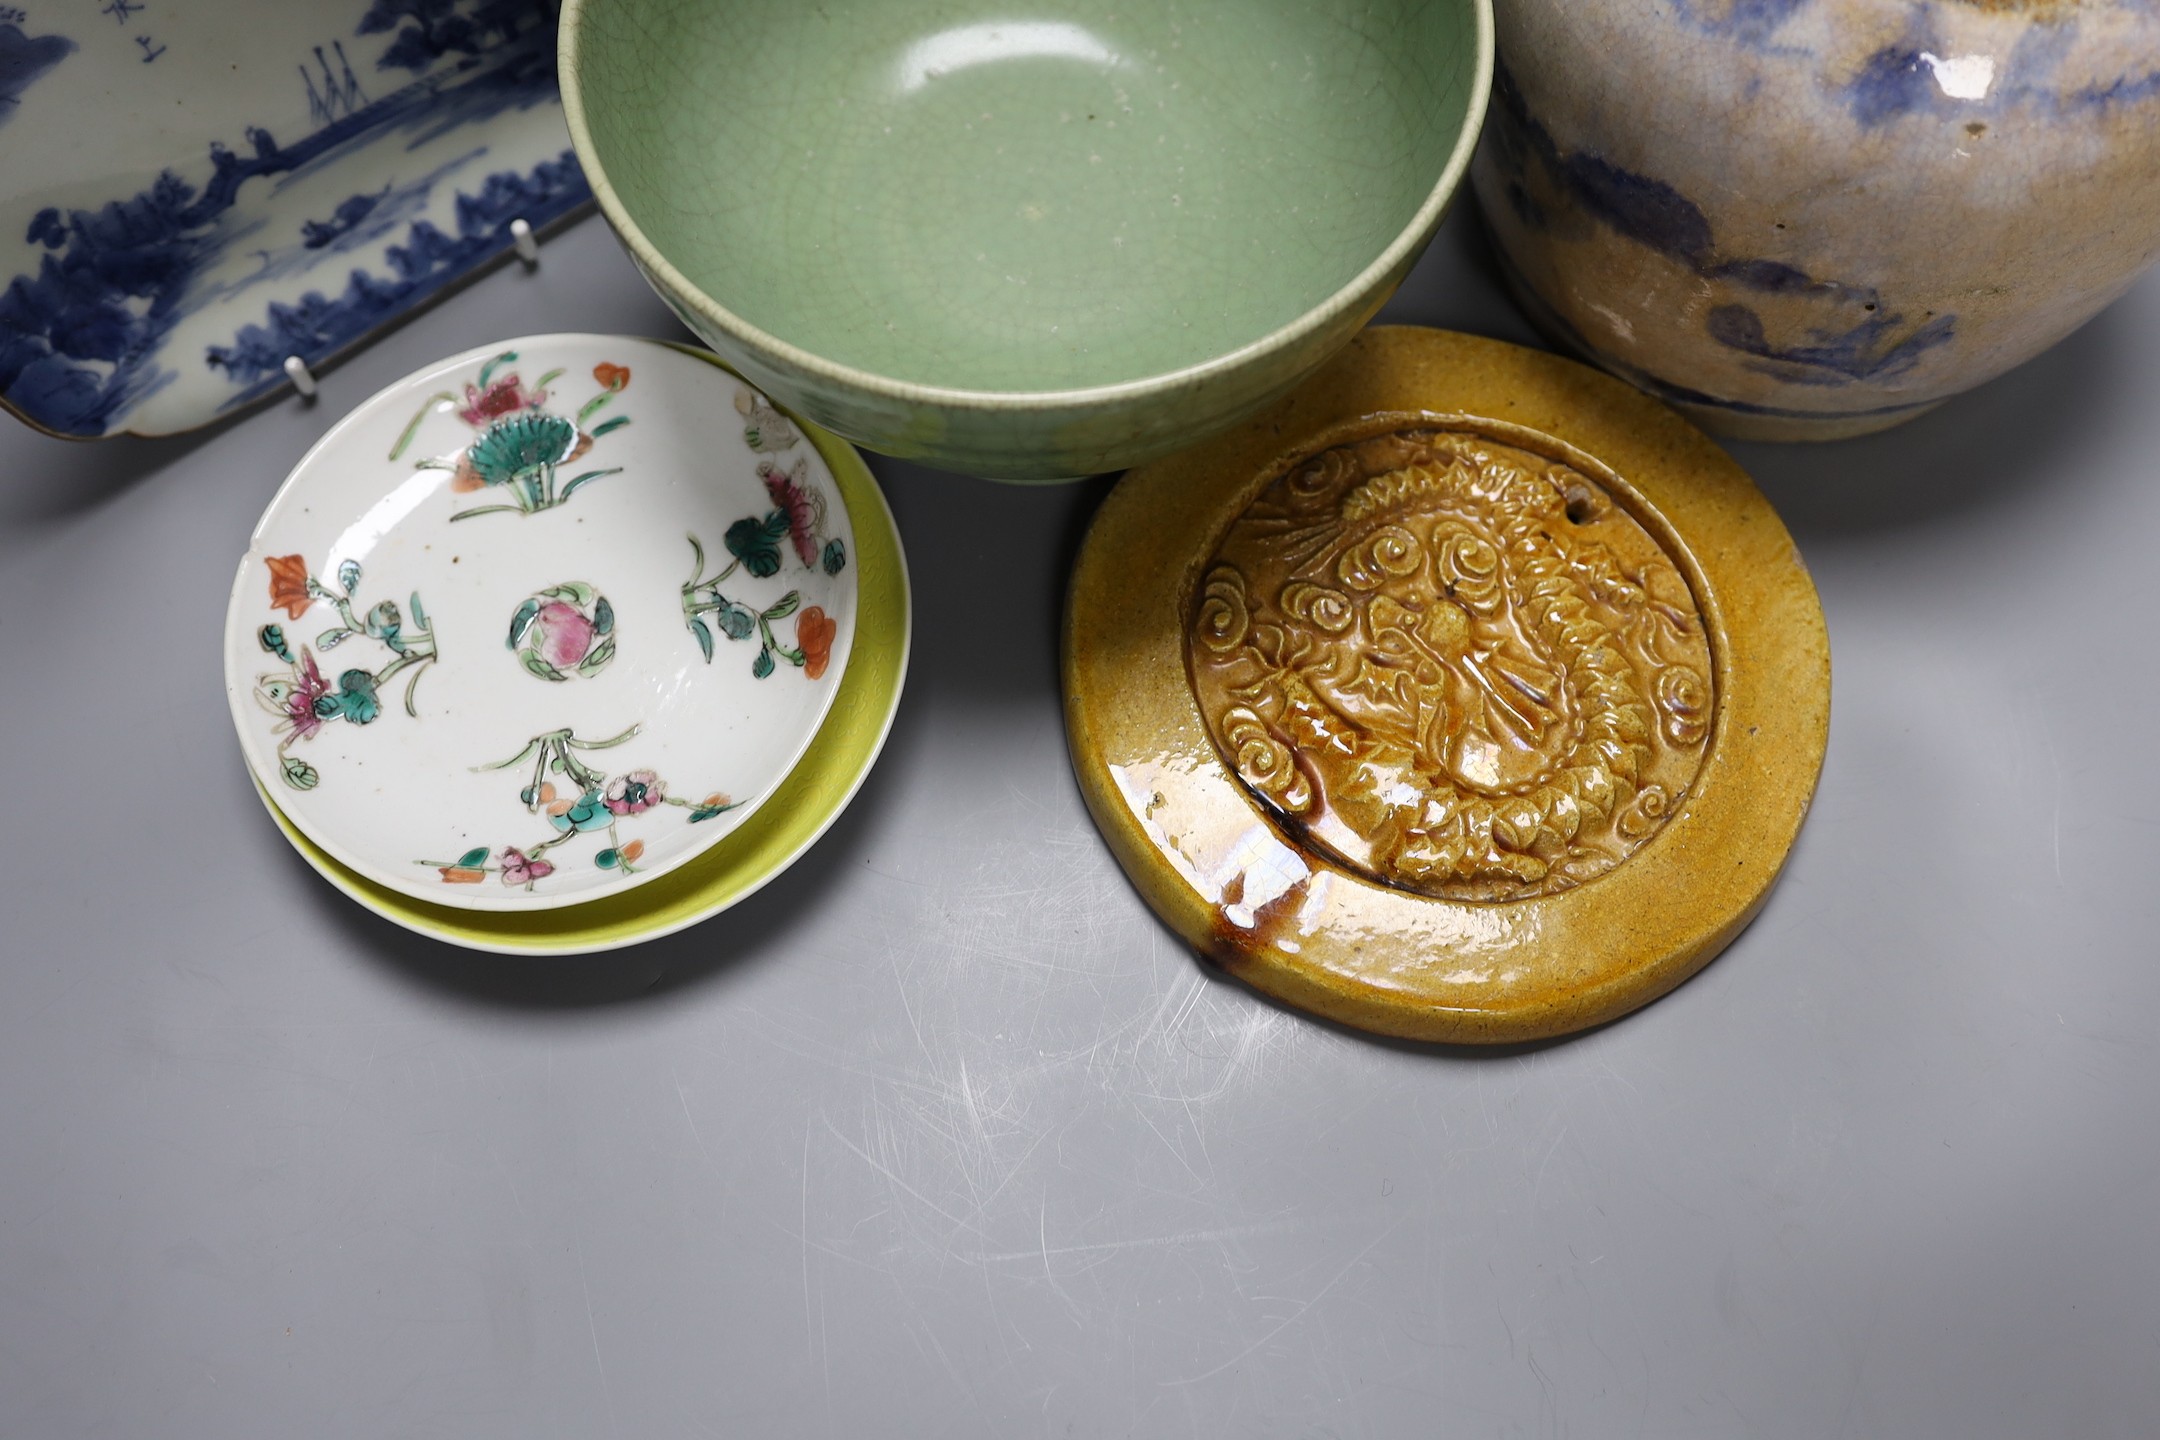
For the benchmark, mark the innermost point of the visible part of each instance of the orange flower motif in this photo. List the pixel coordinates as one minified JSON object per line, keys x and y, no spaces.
{"x":289,"y":585}
{"x":462,"y":875}
{"x":611,"y":377}
{"x":634,"y":849}
{"x":814,"y":631}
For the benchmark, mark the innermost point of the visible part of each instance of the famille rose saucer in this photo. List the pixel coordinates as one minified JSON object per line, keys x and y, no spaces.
{"x":545,"y":622}
{"x":792,"y":818}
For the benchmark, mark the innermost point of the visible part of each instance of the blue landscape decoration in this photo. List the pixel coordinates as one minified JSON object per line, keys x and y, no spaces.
{"x":23,"y":58}
{"x":83,"y":340}
{"x":427,"y":261}
{"x":1864,"y":337}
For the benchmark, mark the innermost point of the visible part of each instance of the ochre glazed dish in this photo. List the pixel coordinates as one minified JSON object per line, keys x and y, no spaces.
{"x":1464,"y":695}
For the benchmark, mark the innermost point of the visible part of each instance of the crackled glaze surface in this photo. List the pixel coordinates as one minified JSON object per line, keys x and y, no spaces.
{"x":458,"y":651}
{"x":1277,"y":843}
{"x":1015,"y":242}
{"x":1800,"y":219}
{"x":1452,"y":662}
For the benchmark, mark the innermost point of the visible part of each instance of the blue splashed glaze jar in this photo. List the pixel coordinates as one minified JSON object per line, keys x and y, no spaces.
{"x":1809,"y":219}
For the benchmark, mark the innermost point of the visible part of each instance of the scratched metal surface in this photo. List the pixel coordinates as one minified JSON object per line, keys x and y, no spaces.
{"x":942,"y":1136}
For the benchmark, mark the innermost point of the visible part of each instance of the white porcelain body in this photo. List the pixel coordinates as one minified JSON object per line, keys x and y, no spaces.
{"x":1803,"y":219}
{"x":406,"y":798}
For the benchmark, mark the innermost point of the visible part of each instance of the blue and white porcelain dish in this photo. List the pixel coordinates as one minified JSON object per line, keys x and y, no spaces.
{"x":1804,"y":219}
{"x":190,"y":193}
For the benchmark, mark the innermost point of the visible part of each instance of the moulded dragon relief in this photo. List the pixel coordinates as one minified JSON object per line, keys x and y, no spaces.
{"x":1453,"y":663}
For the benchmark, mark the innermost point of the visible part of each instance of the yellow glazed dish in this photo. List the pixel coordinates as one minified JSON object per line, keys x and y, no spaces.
{"x":1464,"y":695}
{"x":790,"y":821}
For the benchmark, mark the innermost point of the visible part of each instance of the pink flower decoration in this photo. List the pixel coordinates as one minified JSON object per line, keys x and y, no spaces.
{"x":503,"y":397}
{"x":564,"y":635}
{"x":300,"y":704}
{"x":518,"y":870}
{"x":633,"y":793}
{"x":801,"y":505}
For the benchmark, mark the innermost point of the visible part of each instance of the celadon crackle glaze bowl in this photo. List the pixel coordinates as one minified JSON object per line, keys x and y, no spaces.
{"x":1025,"y":242}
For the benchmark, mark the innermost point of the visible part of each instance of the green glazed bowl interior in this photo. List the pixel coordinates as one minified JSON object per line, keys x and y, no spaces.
{"x":974,"y":199}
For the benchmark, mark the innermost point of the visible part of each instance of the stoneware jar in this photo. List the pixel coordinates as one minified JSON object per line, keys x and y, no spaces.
{"x":1807,"y":219}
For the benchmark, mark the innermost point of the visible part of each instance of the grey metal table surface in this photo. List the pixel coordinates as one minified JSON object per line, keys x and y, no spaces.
{"x":943,"y":1135}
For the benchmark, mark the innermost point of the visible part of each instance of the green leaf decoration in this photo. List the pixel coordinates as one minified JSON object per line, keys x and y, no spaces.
{"x":536,"y":666}
{"x":597,"y":661}
{"x":834,"y":559}
{"x":763,"y":665}
{"x":585,"y":479}
{"x":331,"y":639}
{"x":299,"y":774}
{"x":474,"y":858}
{"x":577,"y":592}
{"x":485,"y":510}
{"x":606,"y":425}
{"x":592,"y":406}
{"x":355,"y":700}
{"x":736,"y":621}
{"x":272,"y":639}
{"x":508,"y":357}
{"x":757,"y":543}
{"x":521,"y":621}
{"x":384,"y":619}
{"x":521,"y":445}
{"x":412,"y":427}
{"x":746,"y":533}
{"x":530,"y":795}
{"x":783,"y":607}
{"x":348,"y":576}
{"x":412,"y":688}
{"x":419,"y":615}
{"x":704,"y":638}
{"x":607,"y":859}
{"x":603,"y":617}
{"x":705,"y":812}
